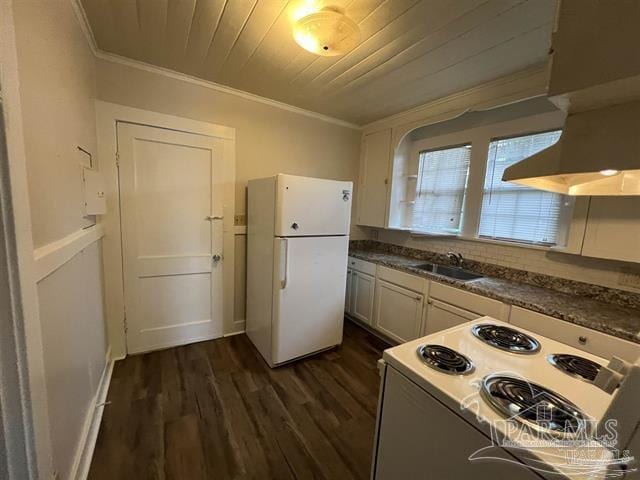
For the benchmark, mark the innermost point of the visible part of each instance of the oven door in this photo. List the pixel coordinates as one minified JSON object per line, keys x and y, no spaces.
{"x":420,"y":438}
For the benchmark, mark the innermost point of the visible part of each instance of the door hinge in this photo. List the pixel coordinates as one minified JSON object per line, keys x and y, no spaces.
{"x":118,"y":159}
{"x":126,"y":325}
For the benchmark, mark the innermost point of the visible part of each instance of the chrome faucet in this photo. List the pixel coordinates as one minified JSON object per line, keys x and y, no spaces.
{"x":455,"y":258}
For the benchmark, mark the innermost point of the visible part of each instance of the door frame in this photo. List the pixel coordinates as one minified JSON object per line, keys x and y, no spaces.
{"x":108,"y":115}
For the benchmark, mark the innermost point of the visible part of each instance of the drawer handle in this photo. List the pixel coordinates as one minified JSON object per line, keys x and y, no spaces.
{"x":582,"y":340}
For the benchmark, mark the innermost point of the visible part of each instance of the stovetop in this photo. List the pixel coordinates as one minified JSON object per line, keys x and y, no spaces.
{"x":506,"y":338}
{"x":575,"y":365}
{"x":445,"y":360}
{"x":500,"y":371}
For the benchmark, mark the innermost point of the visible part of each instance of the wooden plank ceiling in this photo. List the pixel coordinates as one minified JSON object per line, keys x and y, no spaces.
{"x":411,"y":51}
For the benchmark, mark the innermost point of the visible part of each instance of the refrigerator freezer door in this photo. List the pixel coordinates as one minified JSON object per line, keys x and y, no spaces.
{"x":309,"y":295}
{"x":312,"y":206}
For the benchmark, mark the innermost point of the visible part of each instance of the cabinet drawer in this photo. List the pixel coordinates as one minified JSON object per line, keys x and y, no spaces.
{"x":576,"y":336}
{"x":362,"y":266}
{"x":469,"y":301}
{"x":406,"y":280}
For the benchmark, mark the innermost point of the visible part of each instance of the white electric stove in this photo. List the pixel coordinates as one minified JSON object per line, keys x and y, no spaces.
{"x":487,"y":400}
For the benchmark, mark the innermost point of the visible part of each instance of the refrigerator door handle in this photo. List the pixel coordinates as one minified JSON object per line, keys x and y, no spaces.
{"x":284,"y":270}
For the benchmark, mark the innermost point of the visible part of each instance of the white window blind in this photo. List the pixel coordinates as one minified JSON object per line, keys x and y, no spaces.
{"x":440,"y":189}
{"x":514,"y":212}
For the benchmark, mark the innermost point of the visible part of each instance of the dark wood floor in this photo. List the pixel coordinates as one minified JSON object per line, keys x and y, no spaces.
{"x":215,"y":410}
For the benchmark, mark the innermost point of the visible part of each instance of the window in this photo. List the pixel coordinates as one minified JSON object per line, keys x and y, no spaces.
{"x":440,"y":190}
{"x":513,"y":212}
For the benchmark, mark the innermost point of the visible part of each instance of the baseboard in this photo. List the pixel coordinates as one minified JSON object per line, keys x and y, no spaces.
{"x":238,"y":328}
{"x":84,"y":454}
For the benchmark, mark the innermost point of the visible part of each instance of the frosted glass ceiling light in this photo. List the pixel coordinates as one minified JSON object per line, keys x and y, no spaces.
{"x":327,"y":32}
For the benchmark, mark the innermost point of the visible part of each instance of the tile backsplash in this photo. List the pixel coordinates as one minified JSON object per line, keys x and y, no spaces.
{"x":611,"y":274}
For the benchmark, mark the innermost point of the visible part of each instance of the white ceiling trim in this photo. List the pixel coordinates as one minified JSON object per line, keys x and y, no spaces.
{"x":221,"y":88}
{"x":528,"y":83}
{"x":86,"y":29}
{"x":85,"y":26}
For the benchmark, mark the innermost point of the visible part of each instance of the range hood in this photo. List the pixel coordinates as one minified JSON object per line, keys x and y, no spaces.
{"x":595,"y":78}
{"x":598,"y":153}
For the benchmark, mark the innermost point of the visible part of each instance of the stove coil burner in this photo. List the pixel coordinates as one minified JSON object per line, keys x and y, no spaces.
{"x":506,"y":338}
{"x":445,"y":360}
{"x":534,"y":406}
{"x":575,"y":366}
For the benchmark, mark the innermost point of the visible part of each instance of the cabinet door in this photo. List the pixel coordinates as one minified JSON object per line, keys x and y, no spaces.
{"x":363,"y":286}
{"x":613,"y":229}
{"x":440,"y":316}
{"x":374,"y":170}
{"x":347,"y":293}
{"x":398,"y":311}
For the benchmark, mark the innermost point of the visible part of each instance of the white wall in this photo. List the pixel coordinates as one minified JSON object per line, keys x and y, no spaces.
{"x":269,"y":139}
{"x":71,"y":313}
{"x":56,"y":72}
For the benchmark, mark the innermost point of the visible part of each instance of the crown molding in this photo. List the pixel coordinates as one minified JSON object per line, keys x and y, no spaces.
{"x":84,"y":25}
{"x":527,"y":83}
{"x":111,"y":57}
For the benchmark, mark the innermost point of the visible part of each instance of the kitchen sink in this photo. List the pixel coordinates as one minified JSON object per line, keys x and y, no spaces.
{"x":451,"y":272}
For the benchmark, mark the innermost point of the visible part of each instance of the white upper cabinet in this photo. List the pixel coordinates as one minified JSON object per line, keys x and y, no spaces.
{"x":613,"y":229}
{"x":374,"y":179}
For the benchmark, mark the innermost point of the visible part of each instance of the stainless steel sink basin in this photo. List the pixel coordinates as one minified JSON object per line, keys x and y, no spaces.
{"x":451,"y":272}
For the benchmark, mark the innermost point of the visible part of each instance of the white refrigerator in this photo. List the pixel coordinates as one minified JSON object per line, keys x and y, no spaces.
{"x":297,"y":247}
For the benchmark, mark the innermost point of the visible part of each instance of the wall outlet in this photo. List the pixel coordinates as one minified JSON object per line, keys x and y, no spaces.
{"x":629,"y":278}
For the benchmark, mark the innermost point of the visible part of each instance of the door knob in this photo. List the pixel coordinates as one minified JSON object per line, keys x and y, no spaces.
{"x":216,"y":258}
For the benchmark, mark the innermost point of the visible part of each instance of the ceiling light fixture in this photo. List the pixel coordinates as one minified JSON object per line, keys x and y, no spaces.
{"x":327,"y":32}
{"x":609,"y":172}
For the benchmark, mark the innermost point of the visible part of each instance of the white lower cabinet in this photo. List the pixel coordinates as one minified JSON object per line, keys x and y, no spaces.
{"x":362,"y":293}
{"x":398,"y":311}
{"x":577,"y":336}
{"x":348,"y":290}
{"x":449,"y":307}
{"x":440,"y":316}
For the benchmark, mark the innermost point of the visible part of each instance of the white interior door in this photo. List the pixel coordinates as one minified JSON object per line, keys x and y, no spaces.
{"x":171,"y":236}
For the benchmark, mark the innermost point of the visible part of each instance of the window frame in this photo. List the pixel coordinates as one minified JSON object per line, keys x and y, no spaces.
{"x":447,"y":147}
{"x":479,"y":138}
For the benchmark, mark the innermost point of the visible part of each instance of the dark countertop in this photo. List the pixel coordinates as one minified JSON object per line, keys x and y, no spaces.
{"x":620,"y":321}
